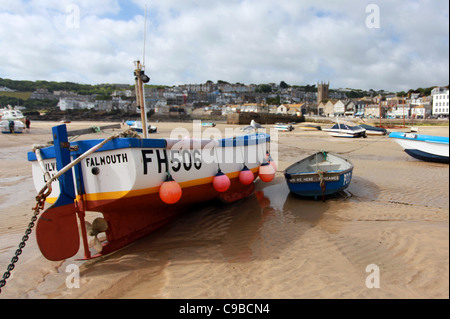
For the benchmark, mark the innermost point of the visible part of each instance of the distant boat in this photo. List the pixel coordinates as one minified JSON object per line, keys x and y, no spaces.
{"x":11,"y":115}
{"x":284,"y":127}
{"x":423,"y":147}
{"x":351,"y":130}
{"x":309,"y":127}
{"x":318,"y":175}
{"x":209,"y":124}
{"x":373,"y":130}
{"x":10,"y":126}
{"x":137,"y":126}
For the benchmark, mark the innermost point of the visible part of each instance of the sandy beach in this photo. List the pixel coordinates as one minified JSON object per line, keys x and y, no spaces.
{"x":395,"y":215}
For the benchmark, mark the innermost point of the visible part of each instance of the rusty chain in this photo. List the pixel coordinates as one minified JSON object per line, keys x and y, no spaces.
{"x":40,"y":198}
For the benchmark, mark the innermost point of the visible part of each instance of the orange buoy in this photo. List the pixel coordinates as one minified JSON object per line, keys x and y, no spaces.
{"x":221,"y":182}
{"x":266,"y":172}
{"x":246,"y":176}
{"x":170,"y":191}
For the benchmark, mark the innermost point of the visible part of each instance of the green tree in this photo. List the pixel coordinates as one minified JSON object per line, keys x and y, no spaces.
{"x":284,"y":85}
{"x":263,"y":88}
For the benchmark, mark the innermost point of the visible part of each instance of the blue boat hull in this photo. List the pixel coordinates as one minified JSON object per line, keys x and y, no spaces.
{"x":427,"y":157}
{"x":320,"y":174}
{"x":427,"y":148}
{"x":313,"y":189}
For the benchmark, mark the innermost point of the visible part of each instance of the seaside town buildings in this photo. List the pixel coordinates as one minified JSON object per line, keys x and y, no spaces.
{"x":224,"y":98}
{"x":440,"y":101}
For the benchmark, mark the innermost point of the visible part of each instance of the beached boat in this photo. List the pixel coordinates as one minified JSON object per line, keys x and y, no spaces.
{"x":284,"y":127}
{"x":137,"y":126}
{"x":309,"y":127}
{"x":11,"y":115}
{"x":424,"y":147}
{"x":319,"y":175}
{"x":138,"y":184}
{"x":209,"y":124}
{"x":11,"y":126}
{"x":373,"y":130}
{"x":346,"y":130}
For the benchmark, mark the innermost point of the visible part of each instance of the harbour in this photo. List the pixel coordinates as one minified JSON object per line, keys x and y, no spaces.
{"x":273,"y":244}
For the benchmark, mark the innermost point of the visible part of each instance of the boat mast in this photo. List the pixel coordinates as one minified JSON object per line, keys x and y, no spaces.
{"x":141,"y":79}
{"x":403,"y":103}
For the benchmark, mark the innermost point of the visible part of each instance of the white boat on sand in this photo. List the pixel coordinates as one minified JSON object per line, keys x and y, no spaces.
{"x":424,"y":147}
{"x":11,"y":115}
{"x":12,"y":126}
{"x":346,"y":129}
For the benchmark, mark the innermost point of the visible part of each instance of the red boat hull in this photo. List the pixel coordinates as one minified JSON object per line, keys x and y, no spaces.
{"x":128,"y":219}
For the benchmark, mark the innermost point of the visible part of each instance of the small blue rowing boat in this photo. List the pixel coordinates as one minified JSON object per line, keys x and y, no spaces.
{"x":423,"y":147}
{"x":318,"y":175}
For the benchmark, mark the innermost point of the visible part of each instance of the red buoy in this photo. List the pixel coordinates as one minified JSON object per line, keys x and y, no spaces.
{"x":170,"y":191}
{"x":221,"y":182}
{"x":266,"y":172}
{"x":246,"y":176}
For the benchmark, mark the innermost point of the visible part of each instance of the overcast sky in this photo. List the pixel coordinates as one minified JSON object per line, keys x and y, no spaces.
{"x":377,"y":44}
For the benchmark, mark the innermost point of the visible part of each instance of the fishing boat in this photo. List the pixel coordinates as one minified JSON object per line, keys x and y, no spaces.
{"x":284,"y":127}
{"x":350,"y":130}
{"x":137,"y":184}
{"x":319,"y":175}
{"x":12,"y":126}
{"x":373,"y":130}
{"x":423,"y":147}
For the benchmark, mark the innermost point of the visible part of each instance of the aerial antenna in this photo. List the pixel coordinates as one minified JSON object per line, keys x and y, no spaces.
{"x":141,"y":79}
{"x":145,"y":29}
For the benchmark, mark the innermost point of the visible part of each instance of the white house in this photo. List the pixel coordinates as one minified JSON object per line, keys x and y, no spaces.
{"x":247,"y":108}
{"x":339,"y":108}
{"x":75,"y":103}
{"x":5,"y":89}
{"x":282,"y":109}
{"x":440,"y":101}
{"x":421,"y":106}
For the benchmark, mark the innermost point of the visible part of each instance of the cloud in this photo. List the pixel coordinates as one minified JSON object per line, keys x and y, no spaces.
{"x":246,"y":41}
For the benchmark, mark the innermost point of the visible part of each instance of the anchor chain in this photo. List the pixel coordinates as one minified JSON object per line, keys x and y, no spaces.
{"x":40,"y":198}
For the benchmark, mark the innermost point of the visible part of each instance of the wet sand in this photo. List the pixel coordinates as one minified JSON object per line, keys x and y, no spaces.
{"x":395,"y":214}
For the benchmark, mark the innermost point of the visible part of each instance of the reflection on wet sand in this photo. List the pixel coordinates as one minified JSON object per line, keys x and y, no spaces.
{"x":272,"y":244}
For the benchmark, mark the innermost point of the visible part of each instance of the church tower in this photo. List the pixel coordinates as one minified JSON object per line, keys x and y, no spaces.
{"x":322,"y":91}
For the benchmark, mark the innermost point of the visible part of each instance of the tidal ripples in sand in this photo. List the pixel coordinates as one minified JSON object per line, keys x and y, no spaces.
{"x":271,"y":245}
